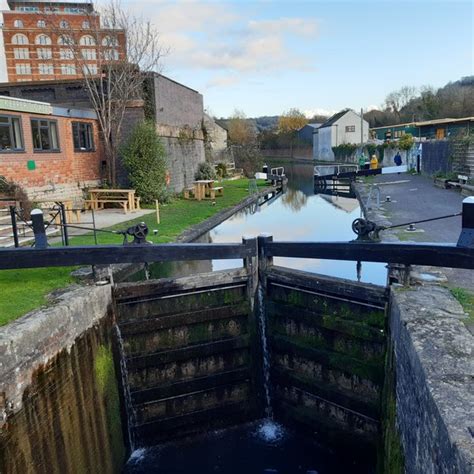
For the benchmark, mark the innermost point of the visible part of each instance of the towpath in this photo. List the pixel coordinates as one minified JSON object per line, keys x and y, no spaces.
{"x":413,"y":198}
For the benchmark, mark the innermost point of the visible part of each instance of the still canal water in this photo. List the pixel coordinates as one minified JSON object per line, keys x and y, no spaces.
{"x":297,"y":215}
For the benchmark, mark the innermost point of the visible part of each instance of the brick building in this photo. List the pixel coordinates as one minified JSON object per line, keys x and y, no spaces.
{"x":52,"y":152}
{"x":177,"y":110}
{"x":48,"y":40}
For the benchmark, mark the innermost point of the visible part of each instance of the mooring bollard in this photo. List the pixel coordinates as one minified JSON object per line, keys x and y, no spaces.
{"x":37,"y":221}
{"x":466,"y":239}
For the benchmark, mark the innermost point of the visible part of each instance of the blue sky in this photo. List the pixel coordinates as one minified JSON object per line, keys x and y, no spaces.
{"x":265,"y":57}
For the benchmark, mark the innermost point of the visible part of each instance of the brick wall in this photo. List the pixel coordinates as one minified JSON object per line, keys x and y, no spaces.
{"x":57,"y":175}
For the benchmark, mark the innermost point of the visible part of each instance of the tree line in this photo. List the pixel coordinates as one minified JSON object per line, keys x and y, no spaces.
{"x":411,"y":104}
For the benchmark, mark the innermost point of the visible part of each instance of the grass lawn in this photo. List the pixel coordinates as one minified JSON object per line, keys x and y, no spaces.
{"x":24,"y":290}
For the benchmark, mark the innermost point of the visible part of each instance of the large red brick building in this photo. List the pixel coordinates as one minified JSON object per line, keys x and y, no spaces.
{"x":52,"y":152}
{"x":38,"y":36}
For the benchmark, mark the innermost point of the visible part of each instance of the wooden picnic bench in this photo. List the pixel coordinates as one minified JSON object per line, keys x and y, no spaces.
{"x":124,"y":197}
{"x":203,"y":189}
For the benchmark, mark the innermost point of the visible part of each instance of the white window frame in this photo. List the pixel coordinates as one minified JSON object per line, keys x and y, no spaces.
{"x":41,"y":24}
{"x":43,"y":40}
{"x":46,"y":69}
{"x":20,"y":38}
{"x":68,"y":69}
{"x":89,"y":54}
{"x":18,"y":24}
{"x":21,"y":53}
{"x":66,"y":53}
{"x":23,"y":69}
{"x":44,"y":53}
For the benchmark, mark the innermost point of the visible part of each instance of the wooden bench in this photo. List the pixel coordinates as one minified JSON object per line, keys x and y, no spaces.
{"x":137,"y":203}
{"x":188,"y":192}
{"x":89,"y":203}
{"x":216,"y":191}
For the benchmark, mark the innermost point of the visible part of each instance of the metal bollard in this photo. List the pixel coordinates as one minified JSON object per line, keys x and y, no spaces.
{"x":466,"y":239}
{"x":37,"y":220}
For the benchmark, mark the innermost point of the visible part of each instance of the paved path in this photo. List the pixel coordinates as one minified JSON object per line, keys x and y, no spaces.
{"x":415,"y":198}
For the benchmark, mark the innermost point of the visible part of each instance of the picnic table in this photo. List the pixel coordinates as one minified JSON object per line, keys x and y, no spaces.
{"x":204,"y":188}
{"x":101,"y":196}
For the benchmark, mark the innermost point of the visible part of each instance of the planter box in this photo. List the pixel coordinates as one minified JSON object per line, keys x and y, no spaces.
{"x":442,"y":183}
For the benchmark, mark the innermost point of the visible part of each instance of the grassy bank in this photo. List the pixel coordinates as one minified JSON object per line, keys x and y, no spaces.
{"x":24,"y":290}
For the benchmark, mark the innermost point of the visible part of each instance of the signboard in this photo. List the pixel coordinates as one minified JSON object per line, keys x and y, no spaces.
{"x":20,"y":105}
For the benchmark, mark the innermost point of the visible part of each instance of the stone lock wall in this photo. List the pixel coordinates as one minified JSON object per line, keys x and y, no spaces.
{"x":434,"y":387}
{"x":59,"y":395}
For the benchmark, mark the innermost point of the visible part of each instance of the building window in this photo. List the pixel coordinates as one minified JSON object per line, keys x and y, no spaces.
{"x":65,"y":40}
{"x":21,"y":53}
{"x":46,"y":69}
{"x":18,"y":24}
{"x":10,"y":134}
{"x":51,"y":9}
{"x":73,"y":10}
{"x":19,"y":39}
{"x":44,"y":53}
{"x":86,"y":25}
{"x":45,"y":135}
{"x":43,"y":39}
{"x":350,"y":128}
{"x":109,"y":41}
{"x":89,"y":68}
{"x":89,"y":54}
{"x":111,"y":55}
{"x":87,"y":40}
{"x":41,"y":24}
{"x":27,"y":9}
{"x":66,"y":54}
{"x":63,"y":24}
{"x":23,"y":69}
{"x":68,"y":69}
{"x":82,"y":134}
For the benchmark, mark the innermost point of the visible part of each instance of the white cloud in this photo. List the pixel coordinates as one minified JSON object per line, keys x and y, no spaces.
{"x":318,"y":111}
{"x":213,"y":36}
{"x":372,"y":107}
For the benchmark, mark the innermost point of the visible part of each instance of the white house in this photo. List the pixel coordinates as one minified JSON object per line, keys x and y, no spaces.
{"x":343,"y":127}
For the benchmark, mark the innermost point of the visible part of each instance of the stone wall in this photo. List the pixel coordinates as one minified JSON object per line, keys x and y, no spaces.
{"x":434,"y":369}
{"x":59,"y":398}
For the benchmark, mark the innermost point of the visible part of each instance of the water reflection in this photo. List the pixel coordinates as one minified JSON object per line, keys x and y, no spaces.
{"x":298,"y":215}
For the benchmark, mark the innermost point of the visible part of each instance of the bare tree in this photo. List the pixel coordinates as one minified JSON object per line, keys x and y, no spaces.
{"x":112,"y":56}
{"x":397,"y":100}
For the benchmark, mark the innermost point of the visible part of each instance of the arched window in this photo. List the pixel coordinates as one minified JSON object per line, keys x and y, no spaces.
{"x":63,"y":24}
{"x":109,"y":41}
{"x":41,"y":24}
{"x":19,"y":39}
{"x":87,"y":41}
{"x":65,"y":39}
{"x":18,"y":24}
{"x":86,"y":25}
{"x":43,"y":39}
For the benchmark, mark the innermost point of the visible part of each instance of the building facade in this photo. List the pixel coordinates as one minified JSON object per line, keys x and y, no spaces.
{"x":176,"y":109}
{"x":55,"y":40}
{"x":344,"y":127}
{"x":52,"y":152}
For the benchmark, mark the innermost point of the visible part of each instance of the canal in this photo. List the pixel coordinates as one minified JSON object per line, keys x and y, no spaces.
{"x":266,"y":446}
{"x":297,"y":215}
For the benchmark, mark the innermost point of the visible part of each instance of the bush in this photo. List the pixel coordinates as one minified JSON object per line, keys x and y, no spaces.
{"x":144,"y":158}
{"x":221,"y":170}
{"x":205,"y":171}
{"x":344,"y":151}
{"x":248,"y":158}
{"x":17,"y":193}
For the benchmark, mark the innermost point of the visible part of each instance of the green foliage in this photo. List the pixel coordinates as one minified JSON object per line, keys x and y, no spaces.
{"x":144,"y":158}
{"x":381,"y":151}
{"x":205,"y":171}
{"x":466,"y":298}
{"x":406,"y":141}
{"x":221,"y":170}
{"x":371,"y":148}
{"x":248,"y":158}
{"x":344,"y":150}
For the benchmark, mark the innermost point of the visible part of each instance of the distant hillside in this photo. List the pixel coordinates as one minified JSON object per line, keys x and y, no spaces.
{"x":259,"y":124}
{"x":454,"y":100}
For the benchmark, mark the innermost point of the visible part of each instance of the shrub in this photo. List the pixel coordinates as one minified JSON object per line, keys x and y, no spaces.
{"x":344,"y":150}
{"x":406,"y":141}
{"x":16,"y":192}
{"x":221,"y":170}
{"x":205,"y":171}
{"x":144,"y":158}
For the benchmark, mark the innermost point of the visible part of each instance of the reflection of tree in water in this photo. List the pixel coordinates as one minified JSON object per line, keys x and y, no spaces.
{"x":294,"y":199}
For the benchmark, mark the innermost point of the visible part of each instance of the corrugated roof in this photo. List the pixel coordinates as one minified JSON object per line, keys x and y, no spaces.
{"x":427,"y":122}
{"x":334,"y":118}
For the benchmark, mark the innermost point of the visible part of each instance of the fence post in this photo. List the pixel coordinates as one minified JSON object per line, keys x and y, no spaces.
{"x":251,"y":266}
{"x":466,"y":239}
{"x":14,"y":226}
{"x":263,"y":262}
{"x":64,"y":223}
{"x":37,"y":220}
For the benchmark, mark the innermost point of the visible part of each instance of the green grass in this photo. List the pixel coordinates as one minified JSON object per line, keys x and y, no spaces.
{"x":466,"y":298}
{"x":24,"y":290}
